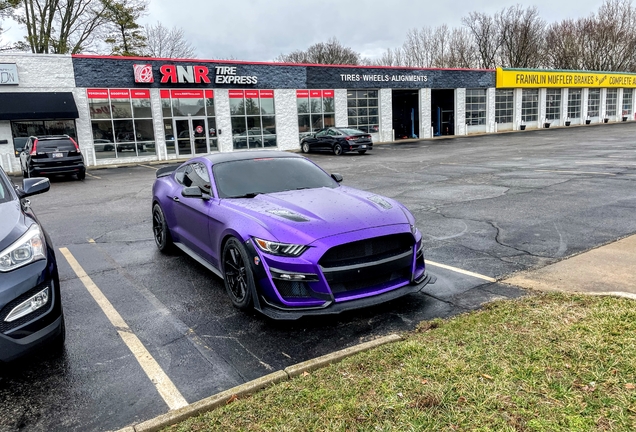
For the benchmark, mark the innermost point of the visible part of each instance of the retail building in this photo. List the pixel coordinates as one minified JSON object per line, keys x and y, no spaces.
{"x":143,"y":109}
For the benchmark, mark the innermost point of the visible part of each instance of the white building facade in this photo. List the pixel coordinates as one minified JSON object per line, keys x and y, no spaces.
{"x":143,"y":110}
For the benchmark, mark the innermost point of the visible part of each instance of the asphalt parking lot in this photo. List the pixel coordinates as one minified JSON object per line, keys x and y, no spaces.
{"x":488,"y":206}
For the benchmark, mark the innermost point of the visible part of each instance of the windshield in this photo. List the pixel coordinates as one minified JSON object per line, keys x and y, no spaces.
{"x":5,"y":195}
{"x":351,"y":131}
{"x":248,"y":178}
{"x":61,"y":144}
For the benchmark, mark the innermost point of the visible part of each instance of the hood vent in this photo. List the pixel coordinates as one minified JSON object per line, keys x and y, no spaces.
{"x":288,"y":215}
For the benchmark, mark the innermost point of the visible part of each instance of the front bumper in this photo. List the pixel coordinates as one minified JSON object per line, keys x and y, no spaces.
{"x":276,"y":313}
{"x":19,"y":337}
{"x":329,"y":287}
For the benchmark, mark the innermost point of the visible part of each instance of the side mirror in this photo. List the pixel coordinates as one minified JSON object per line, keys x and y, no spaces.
{"x":194,"y":192}
{"x":34,"y":186}
{"x":336,"y":177}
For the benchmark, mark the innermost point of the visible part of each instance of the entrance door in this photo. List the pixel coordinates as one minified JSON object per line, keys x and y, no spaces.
{"x":191,"y":135}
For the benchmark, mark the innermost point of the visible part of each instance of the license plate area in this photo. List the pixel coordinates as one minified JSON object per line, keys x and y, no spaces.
{"x":57,"y":155}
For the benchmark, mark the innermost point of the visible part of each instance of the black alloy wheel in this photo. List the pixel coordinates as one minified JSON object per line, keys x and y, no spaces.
{"x":160,"y":230}
{"x":237,"y":274}
{"x":305,"y":148}
{"x":337,"y":149}
{"x":81,"y":175}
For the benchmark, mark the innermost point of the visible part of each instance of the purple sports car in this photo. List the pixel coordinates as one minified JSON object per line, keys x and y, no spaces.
{"x":287,"y":238}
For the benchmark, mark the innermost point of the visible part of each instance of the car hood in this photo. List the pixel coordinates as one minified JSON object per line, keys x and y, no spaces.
{"x":304,"y":216}
{"x":13,"y":223}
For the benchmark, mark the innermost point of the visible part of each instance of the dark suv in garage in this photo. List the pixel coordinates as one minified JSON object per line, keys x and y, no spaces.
{"x":30,"y":308}
{"x":50,"y":155}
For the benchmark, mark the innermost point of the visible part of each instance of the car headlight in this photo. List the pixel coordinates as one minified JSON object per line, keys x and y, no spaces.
{"x":27,"y":249}
{"x":281,"y":249}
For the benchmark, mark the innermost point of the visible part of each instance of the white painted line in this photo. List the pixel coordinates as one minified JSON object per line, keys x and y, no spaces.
{"x":94,"y":176}
{"x":576,"y":172}
{"x":158,"y":377}
{"x":148,"y":166}
{"x":458,"y":270}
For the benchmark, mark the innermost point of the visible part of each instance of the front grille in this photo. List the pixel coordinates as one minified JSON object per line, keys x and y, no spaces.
{"x":8,"y":326}
{"x":292,"y":289}
{"x":340,"y":284}
{"x":367,"y":251}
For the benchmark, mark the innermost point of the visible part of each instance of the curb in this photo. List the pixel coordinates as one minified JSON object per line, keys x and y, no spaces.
{"x":223,"y":398}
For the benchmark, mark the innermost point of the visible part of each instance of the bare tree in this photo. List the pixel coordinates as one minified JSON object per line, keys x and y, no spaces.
{"x":330,"y":52}
{"x":461,"y":51}
{"x":162,"y":42}
{"x":522,"y":33}
{"x":610,"y":42}
{"x":486,"y":36}
{"x":60,"y":26}
{"x":564,"y":42}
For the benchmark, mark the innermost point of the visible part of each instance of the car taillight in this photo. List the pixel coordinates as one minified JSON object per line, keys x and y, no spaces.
{"x":76,"y":146}
{"x":350,"y":138}
{"x":34,"y":149}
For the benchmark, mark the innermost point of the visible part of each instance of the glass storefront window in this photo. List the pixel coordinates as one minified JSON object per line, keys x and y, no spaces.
{"x":121,"y":120}
{"x":362,"y":110}
{"x":189,"y":121}
{"x":20,"y":130}
{"x":574,"y":103}
{"x":628,"y":101}
{"x":530,"y":105}
{"x":504,"y":105}
{"x":610,"y":103}
{"x":475,"y":107}
{"x":593,"y":102}
{"x":553,"y":104}
{"x":252,"y":116}
{"x":315,"y":110}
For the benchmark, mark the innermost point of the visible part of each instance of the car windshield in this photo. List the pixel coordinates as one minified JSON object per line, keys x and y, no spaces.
{"x":351,"y":131}
{"x":5,"y":196}
{"x":61,"y":144}
{"x":248,"y":178}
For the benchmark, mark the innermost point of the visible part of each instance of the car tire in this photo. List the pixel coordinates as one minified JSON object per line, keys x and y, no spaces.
{"x":237,"y":274}
{"x":362,"y":152}
{"x":305,"y":148}
{"x":81,"y":175}
{"x":160,"y":230}
{"x":337,"y":149}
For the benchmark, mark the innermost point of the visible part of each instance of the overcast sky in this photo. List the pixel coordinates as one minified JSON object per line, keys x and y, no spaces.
{"x":260,"y":30}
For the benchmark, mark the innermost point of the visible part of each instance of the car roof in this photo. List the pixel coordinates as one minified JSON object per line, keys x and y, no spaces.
{"x":247,"y":155}
{"x":51,"y":137}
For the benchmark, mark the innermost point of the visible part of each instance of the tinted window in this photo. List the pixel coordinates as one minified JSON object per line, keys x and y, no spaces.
{"x":238,"y":178}
{"x":351,"y":131}
{"x":5,"y":195}
{"x":194,"y":174}
{"x":19,"y":143}
{"x":62,"y":144}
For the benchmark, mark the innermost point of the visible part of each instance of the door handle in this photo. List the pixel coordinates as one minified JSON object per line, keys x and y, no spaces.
{"x":175,"y":198}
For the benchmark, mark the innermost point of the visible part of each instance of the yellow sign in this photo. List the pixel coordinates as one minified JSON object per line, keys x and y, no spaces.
{"x":527,"y":78}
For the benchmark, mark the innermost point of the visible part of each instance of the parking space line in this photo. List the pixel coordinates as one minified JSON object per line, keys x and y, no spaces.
{"x":93,"y":176}
{"x":458,"y":270}
{"x":149,"y":166}
{"x":157,"y":376}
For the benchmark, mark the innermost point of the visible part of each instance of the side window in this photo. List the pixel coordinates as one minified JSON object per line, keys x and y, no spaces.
{"x":179,"y":173}
{"x":332,"y":132}
{"x":196,"y":174}
{"x":322,"y":133}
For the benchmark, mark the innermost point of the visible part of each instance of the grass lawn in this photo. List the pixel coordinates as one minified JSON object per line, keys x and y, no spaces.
{"x":548,"y":362}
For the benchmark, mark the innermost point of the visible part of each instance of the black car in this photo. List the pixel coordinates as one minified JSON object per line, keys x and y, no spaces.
{"x":30,"y":309}
{"x":50,"y":155}
{"x":338,"y":141}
